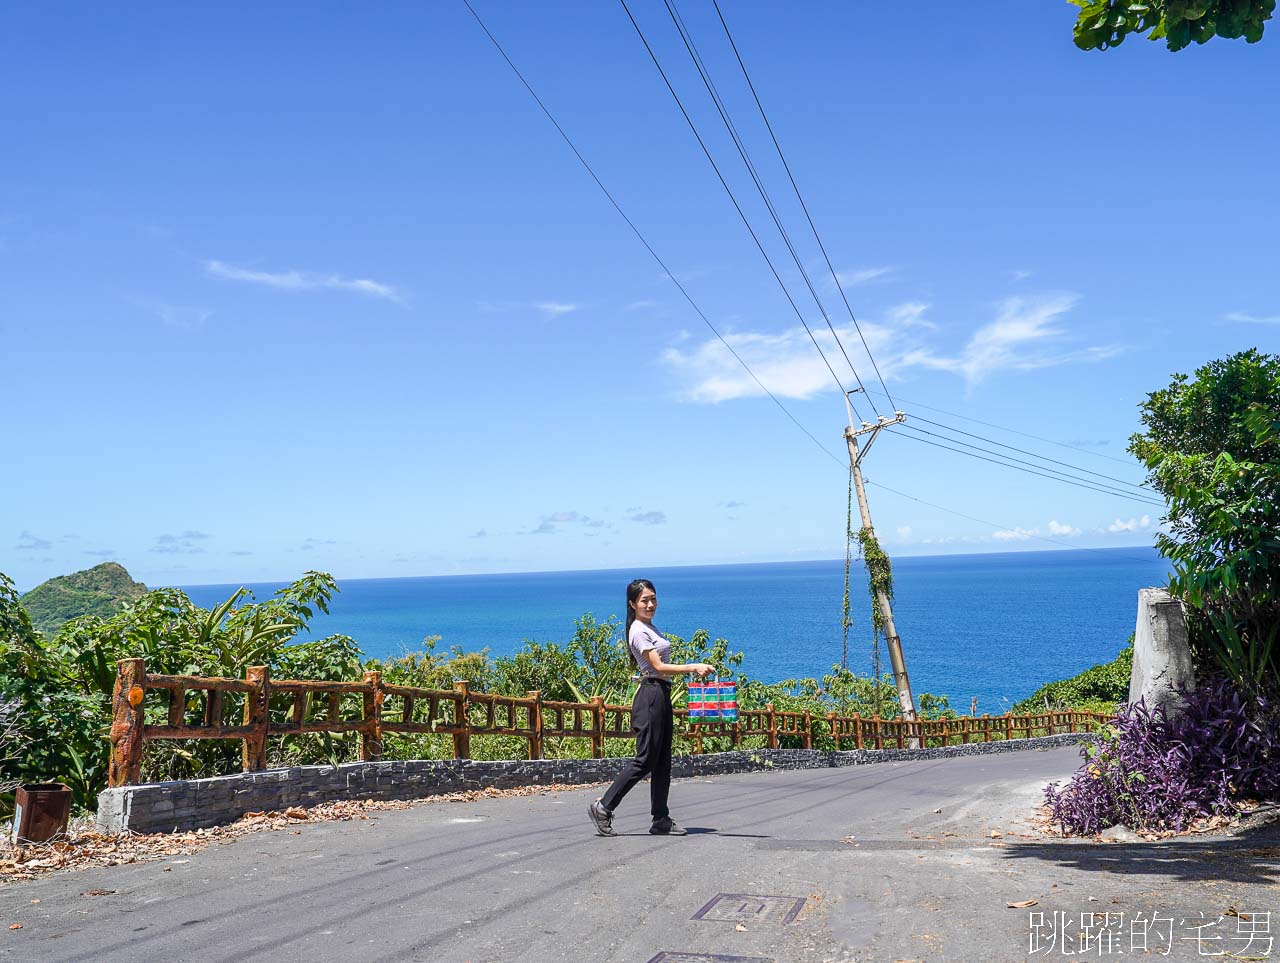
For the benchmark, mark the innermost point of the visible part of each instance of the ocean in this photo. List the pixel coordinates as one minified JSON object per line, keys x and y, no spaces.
{"x":992,"y":627}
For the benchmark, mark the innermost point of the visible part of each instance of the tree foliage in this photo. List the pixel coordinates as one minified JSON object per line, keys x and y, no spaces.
{"x":1212,"y":448}
{"x":1105,"y":23}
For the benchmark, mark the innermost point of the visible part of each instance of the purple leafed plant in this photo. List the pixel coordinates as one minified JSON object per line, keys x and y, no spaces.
{"x":1151,"y":772}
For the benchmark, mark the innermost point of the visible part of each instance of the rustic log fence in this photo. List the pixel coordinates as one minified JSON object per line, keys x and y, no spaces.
{"x":376,"y":709}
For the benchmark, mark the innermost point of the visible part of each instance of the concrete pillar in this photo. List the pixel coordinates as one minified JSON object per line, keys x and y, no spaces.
{"x":1161,"y":651}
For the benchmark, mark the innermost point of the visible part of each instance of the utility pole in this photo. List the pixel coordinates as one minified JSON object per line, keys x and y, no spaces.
{"x":892,"y":641}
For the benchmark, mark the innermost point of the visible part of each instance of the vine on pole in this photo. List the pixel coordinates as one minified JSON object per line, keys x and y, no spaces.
{"x":879,"y":579}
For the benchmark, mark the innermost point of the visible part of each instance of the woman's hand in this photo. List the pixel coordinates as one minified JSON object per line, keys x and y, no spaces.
{"x":701,"y":669}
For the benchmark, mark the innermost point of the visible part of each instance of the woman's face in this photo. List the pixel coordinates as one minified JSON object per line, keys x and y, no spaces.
{"x":646,"y":605}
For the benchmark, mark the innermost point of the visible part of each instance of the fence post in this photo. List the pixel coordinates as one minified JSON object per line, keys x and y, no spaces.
{"x":901,"y":724}
{"x":1008,"y":726}
{"x":535,"y":724}
{"x":737,"y":735}
{"x":254,"y":745}
{"x":808,"y":730}
{"x":965,"y":726}
{"x":879,"y":724}
{"x":462,"y":719}
{"x":1071,"y":719}
{"x":835,"y":729}
{"x":127,"y":721}
{"x":371,"y":735}
{"x":986,"y":727}
{"x":773,"y":726}
{"x":857,"y":730}
{"x":597,"y":727}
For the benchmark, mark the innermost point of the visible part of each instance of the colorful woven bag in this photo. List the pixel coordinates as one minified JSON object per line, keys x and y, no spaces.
{"x":713,"y":702}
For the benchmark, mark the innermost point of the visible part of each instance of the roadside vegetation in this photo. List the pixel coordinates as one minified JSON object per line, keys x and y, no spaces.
{"x":56,"y":689}
{"x":1211,"y":445}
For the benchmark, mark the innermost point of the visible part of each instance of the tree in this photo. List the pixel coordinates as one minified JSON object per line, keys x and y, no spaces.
{"x":1105,"y":23}
{"x":1212,"y":448}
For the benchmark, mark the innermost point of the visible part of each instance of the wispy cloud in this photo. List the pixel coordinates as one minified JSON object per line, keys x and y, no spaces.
{"x":650,"y":518}
{"x":1238,"y":318}
{"x":303,"y":281}
{"x":553,"y":309}
{"x":184,"y":544}
{"x":1026,"y":335}
{"x":1020,"y":275}
{"x":640,"y":305}
{"x":180,"y":316}
{"x":1062,"y":528}
{"x":557,"y":521}
{"x":1020,"y":339}
{"x":30,"y":543}
{"x":904,"y":533}
{"x":479,"y":534}
{"x":865,"y":275}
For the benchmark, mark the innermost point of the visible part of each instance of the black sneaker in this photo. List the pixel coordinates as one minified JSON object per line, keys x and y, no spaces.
{"x":602,"y":818}
{"x":666,"y":826}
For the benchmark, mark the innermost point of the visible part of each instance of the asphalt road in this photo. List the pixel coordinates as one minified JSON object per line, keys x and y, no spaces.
{"x":857,"y":864}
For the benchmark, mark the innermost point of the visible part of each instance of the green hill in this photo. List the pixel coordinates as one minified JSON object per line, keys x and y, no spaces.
{"x":102,"y":590}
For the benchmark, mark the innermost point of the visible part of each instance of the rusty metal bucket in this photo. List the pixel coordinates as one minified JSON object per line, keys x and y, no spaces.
{"x":40,"y":812}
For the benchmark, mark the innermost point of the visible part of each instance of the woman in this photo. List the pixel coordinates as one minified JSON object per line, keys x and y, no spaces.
{"x":650,"y":716}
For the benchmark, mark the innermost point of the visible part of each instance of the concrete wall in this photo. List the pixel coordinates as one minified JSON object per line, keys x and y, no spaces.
{"x":1161,"y":651}
{"x":195,"y":803}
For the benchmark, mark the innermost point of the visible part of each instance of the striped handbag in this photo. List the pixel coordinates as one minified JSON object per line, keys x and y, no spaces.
{"x":713,"y":702}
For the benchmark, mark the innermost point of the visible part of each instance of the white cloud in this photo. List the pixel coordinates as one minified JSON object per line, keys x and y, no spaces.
{"x":1020,"y":339}
{"x":1239,"y":318}
{"x":1016,"y":534}
{"x":177,"y":316}
{"x":639,"y":305}
{"x":302,"y":281}
{"x":1020,"y":275}
{"x":1013,"y":341}
{"x":1058,"y":528}
{"x":863,"y":275}
{"x":1132,"y":525}
{"x":553,"y":309}
{"x":904,"y":533}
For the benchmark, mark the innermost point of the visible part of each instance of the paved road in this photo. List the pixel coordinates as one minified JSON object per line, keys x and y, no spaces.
{"x":524,"y":879}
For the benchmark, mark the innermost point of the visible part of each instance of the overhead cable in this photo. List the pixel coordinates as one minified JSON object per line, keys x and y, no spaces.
{"x":648,"y":247}
{"x":794,"y":186}
{"x":1055,"y":476}
{"x":738,"y":142}
{"x":1012,"y":431}
{"x":723,"y":183}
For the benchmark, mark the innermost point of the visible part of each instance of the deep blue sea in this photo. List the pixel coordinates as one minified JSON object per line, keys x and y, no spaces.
{"x":994,"y":626}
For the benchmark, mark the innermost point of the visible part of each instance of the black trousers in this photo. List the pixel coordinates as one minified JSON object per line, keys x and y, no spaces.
{"x":651,"y":721}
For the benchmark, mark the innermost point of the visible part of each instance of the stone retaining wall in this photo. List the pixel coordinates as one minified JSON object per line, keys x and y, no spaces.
{"x":196,"y":803}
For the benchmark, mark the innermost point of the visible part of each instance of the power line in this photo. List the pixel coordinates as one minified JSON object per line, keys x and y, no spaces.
{"x":723,"y":183}
{"x":1012,"y":431}
{"x":1023,"y":451}
{"x":723,"y":110}
{"x":834,"y":276}
{"x":635,"y":230}
{"x":648,"y":247}
{"x":1065,"y":479}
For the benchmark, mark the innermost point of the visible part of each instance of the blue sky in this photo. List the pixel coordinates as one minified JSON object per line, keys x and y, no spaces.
{"x":285,"y":289}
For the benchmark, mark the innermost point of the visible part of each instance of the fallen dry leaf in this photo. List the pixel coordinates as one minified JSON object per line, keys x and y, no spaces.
{"x":80,"y":849}
{"x":741,"y":928}
{"x":1022,"y":903}
{"x":98,"y":892}
{"x":15,"y":926}
{"x":996,"y":834}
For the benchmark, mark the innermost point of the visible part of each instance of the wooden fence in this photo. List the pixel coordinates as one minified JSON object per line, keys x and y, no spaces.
{"x":376,"y":709}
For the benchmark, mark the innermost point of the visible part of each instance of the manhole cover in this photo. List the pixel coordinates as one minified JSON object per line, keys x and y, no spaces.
{"x":665,"y":957}
{"x":745,"y":908}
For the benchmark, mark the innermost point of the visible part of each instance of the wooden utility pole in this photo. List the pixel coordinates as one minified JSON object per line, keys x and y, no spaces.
{"x":892,"y":641}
